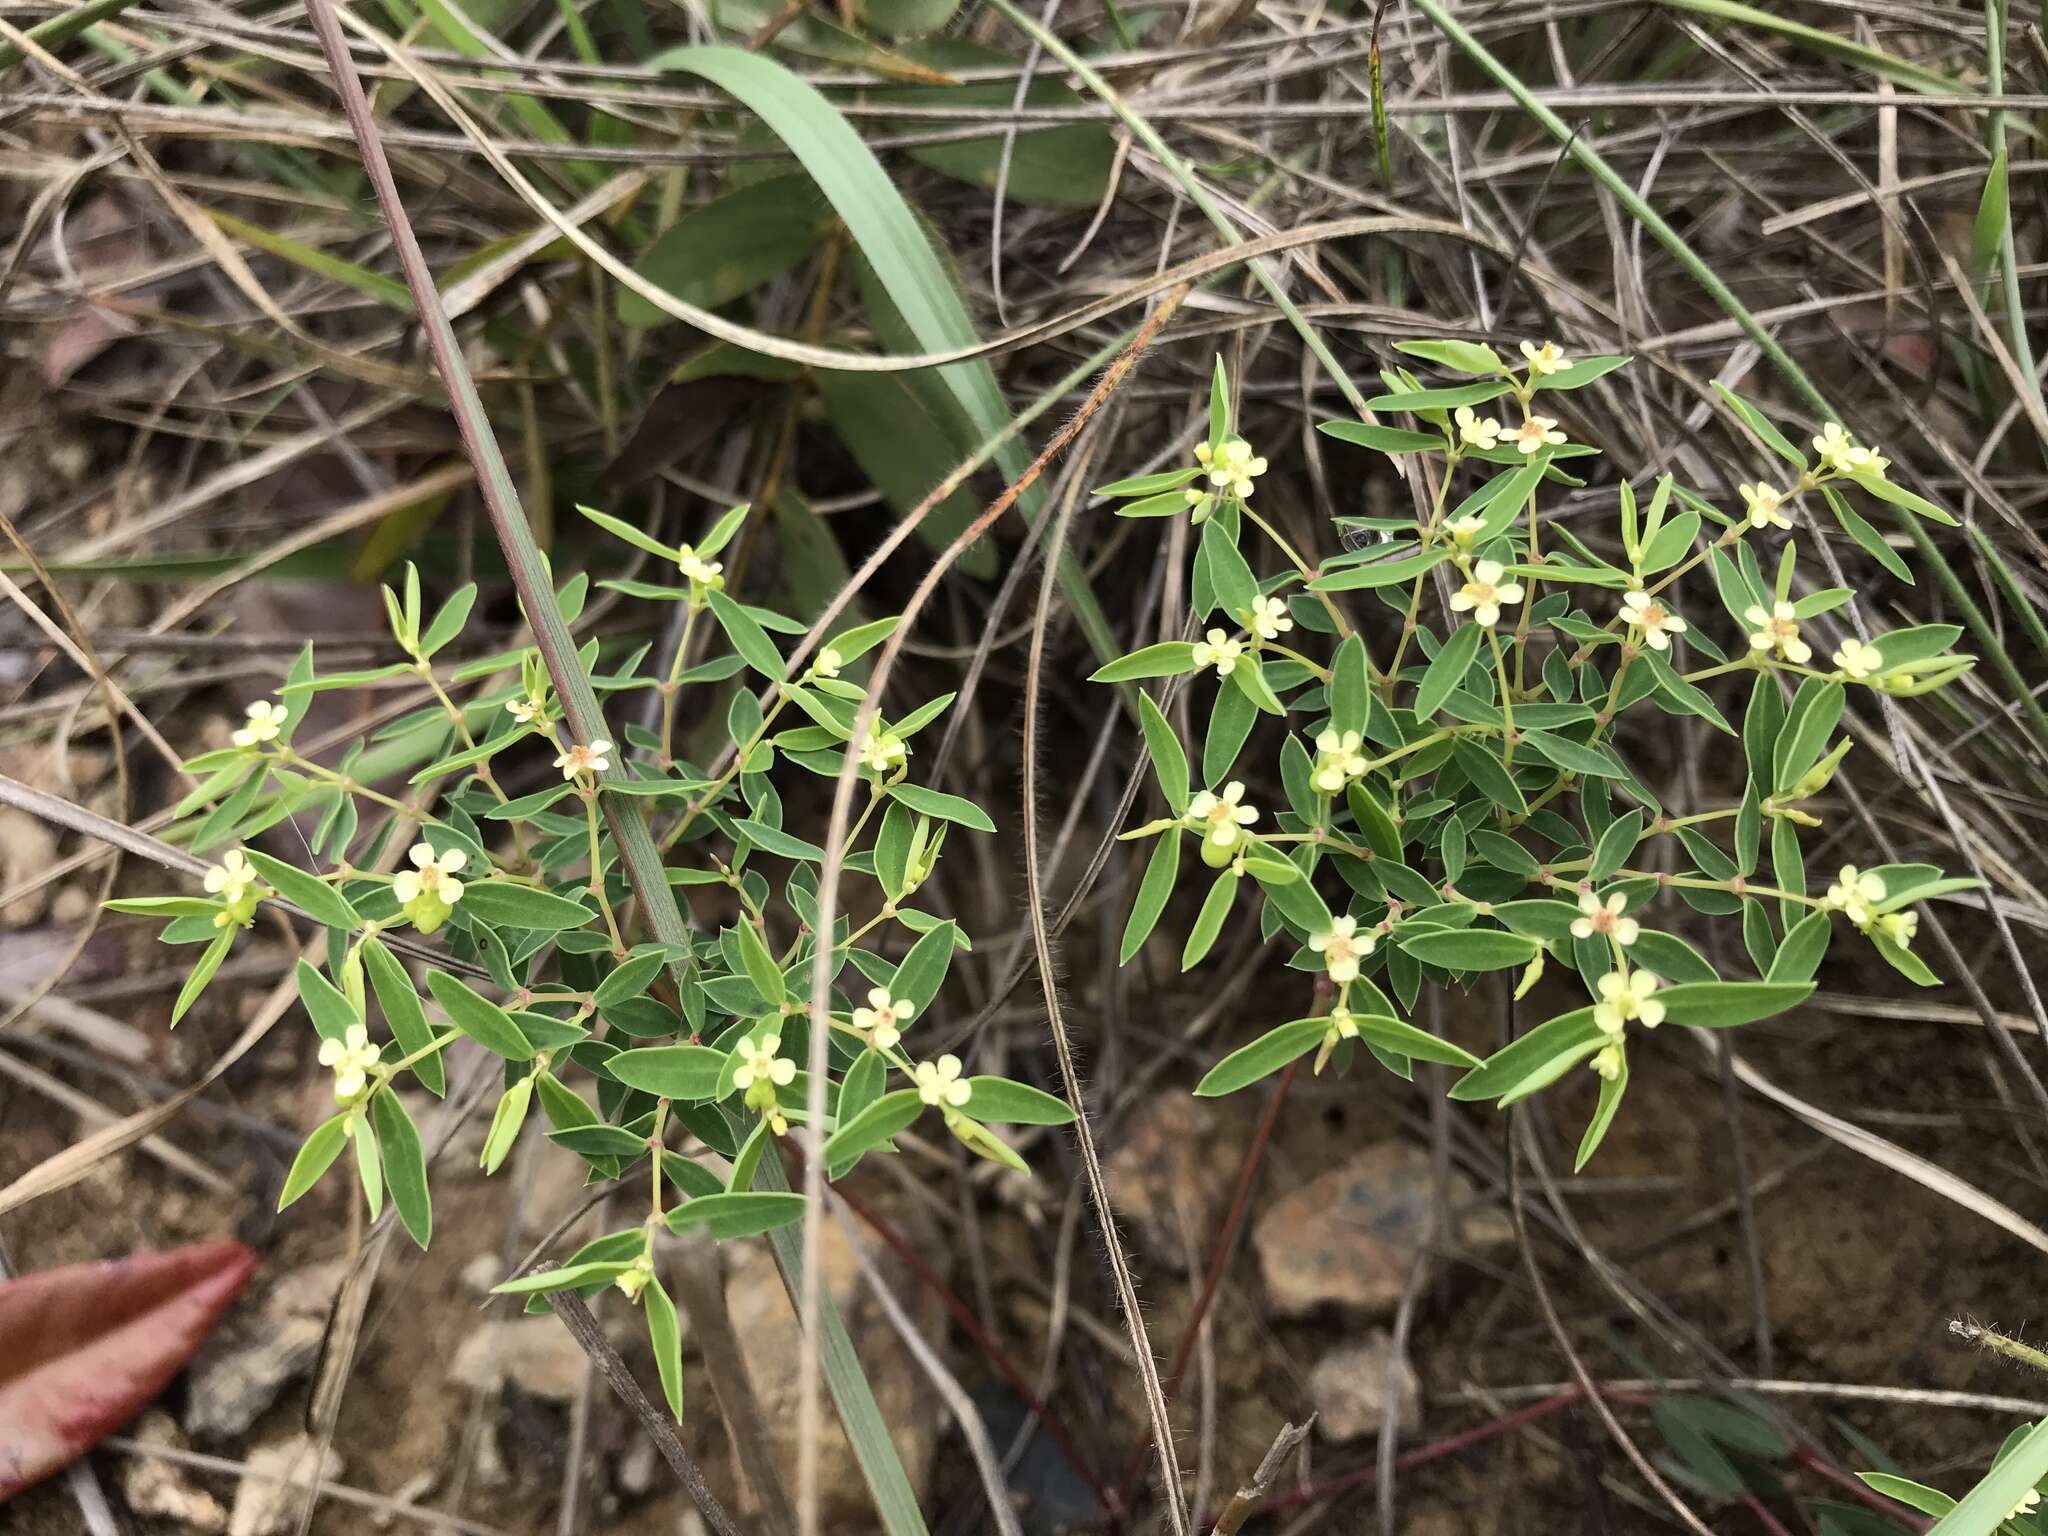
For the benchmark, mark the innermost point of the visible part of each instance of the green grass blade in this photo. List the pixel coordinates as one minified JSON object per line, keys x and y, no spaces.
{"x":59,"y":30}
{"x":1983,"y":1509}
{"x":1876,"y":61}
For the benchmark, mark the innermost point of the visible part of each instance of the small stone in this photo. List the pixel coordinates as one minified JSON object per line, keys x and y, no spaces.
{"x":246,"y":1365}
{"x":1171,"y":1176}
{"x":534,"y":1354}
{"x":276,"y":1482}
{"x":1347,"y":1239}
{"x":156,"y":1487}
{"x":1349,"y":1388}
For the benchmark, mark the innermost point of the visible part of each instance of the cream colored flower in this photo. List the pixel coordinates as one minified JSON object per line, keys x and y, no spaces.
{"x":231,"y":878}
{"x":351,"y":1057}
{"x":633,"y":1280}
{"x":1778,"y":630}
{"x":525,"y":709}
{"x":577,"y":759}
{"x":1476,"y":431}
{"x":1537,"y":433}
{"x":939,"y":1082}
{"x":827,"y":663}
{"x":1841,"y":453}
{"x":1343,"y":1024}
{"x":1605,"y":919}
{"x":1222,"y":818}
{"x":430,"y":875}
{"x":1625,"y":995}
{"x":1546,"y":359}
{"x":1858,"y":660}
{"x":1343,"y":947}
{"x":1900,"y":927}
{"x":1217,"y":649}
{"x":1764,"y":504}
{"x":883,"y":1017}
{"x":883,"y":751}
{"x":1606,"y":1062}
{"x":1463,"y":530}
{"x":702,"y":572}
{"x":2028,"y":1503}
{"x":760,"y":1064}
{"x":1484,"y":595}
{"x":1854,"y":893}
{"x":1340,"y":759}
{"x":1656,"y":623}
{"x":265,"y":719}
{"x":1268,"y":619}
{"x":1231,"y":465}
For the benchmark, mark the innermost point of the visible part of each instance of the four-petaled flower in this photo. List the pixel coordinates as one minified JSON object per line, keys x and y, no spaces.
{"x":1765,"y":505}
{"x":1343,"y":947}
{"x":1546,"y":359}
{"x":1657,"y":622}
{"x":1476,"y":431}
{"x":1218,"y":650}
{"x":1606,"y":1062}
{"x":1484,"y":594}
{"x":231,"y":878}
{"x":1222,"y":818}
{"x":760,"y":1064}
{"x":1463,"y":530}
{"x":1537,"y":433}
{"x":265,"y":720}
{"x":1605,"y":918}
{"x":1268,"y":618}
{"x":1625,"y":995}
{"x":1859,"y":659}
{"x":1341,"y":760}
{"x":827,"y":663}
{"x":526,"y":709}
{"x":939,"y":1082}
{"x":879,"y":1021}
{"x":431,"y":875}
{"x":1854,"y":893}
{"x":1231,"y":465}
{"x":577,"y":759}
{"x":702,"y":572}
{"x":1778,"y":630}
{"x":351,"y":1057}
{"x":1845,"y":456}
{"x":882,"y":750}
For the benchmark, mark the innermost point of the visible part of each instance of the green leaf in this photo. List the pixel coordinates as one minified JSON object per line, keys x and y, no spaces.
{"x":449,"y":621}
{"x":1166,"y":659}
{"x":370,"y":1167}
{"x":1209,"y":920}
{"x":1471,"y":949}
{"x":1723,"y":1004}
{"x":738,"y":1213}
{"x":1169,"y":758}
{"x":1799,"y":956}
{"x":1150,"y":485}
{"x":665,"y":1335}
{"x":1263,"y":1057}
{"x":923,"y":970}
{"x":747,"y":637}
{"x":1981,"y":1511}
{"x":332,"y":1013}
{"x":1762,"y":426}
{"x":762,"y":970}
{"x":311,"y":895}
{"x":1447,"y":670}
{"x":1382,"y":439}
{"x":479,"y":1018}
{"x":202,"y":972}
{"x":776,"y":841}
{"x":165,"y":906}
{"x":506,"y":1121}
{"x":629,"y":979}
{"x":1616,"y":843}
{"x":405,"y":1165}
{"x":403,"y":1012}
{"x":1571,"y":756}
{"x":1153,"y":893}
{"x":874,"y":1126}
{"x":1002,"y":1102}
{"x":1458,"y":356}
{"x":1581,"y":373}
{"x":1381,"y":573}
{"x":1538,"y":1058}
{"x":567,"y":1277}
{"x":686,"y":1072}
{"x":730,"y":246}
{"x":1611,"y":1090}
{"x":1440,"y":399}
{"x":1816,"y":710}
{"x":1391,"y":1034}
{"x":619,"y":528}
{"x":508,"y":904}
{"x":315,"y":1157}
{"x":943,"y":807}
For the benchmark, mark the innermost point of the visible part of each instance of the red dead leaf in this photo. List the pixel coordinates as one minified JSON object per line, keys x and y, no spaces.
{"x":84,"y":1347}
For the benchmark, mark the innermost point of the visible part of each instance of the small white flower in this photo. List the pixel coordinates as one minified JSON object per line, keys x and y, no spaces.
{"x":1463,"y":530}
{"x":1476,"y":431}
{"x":1231,"y":465}
{"x":760,"y":1064}
{"x":1854,"y":893}
{"x":1900,"y":927}
{"x":351,"y":1057}
{"x":1343,"y":947}
{"x":1546,"y":359}
{"x":1538,"y":432}
{"x":1485,"y":593}
{"x":577,"y":759}
{"x":881,"y":1019}
{"x":1778,"y":630}
{"x":1343,"y":1024}
{"x":1625,"y":995}
{"x":231,"y":878}
{"x":2028,"y":1503}
{"x":827,"y":663}
{"x":939,"y":1082}
{"x":1657,"y":623}
{"x":525,"y":710}
{"x":702,"y":572}
{"x":1844,"y":456}
{"x":1605,"y":919}
{"x":1268,"y":618}
{"x":1340,"y":759}
{"x":265,"y":720}
{"x":1764,"y":504}
{"x":1606,"y":1062}
{"x":434,"y":876}
{"x":1217,"y":649}
{"x":1222,"y":818}
{"x":1859,"y":660}
{"x":883,"y":750}
{"x":635,"y":1277}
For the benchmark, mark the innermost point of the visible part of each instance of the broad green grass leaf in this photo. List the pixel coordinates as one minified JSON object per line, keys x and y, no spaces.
{"x":730,"y":246}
